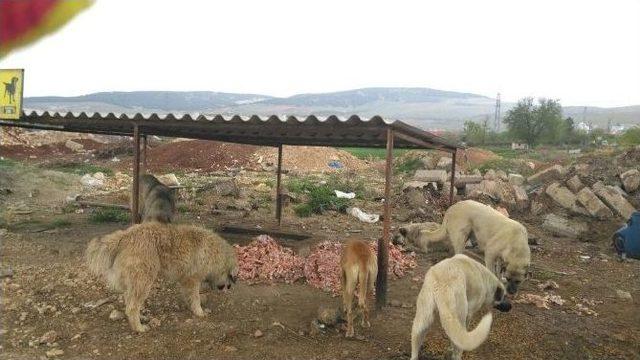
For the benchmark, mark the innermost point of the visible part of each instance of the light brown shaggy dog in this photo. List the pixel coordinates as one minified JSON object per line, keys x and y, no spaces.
{"x":359,"y":265}
{"x":130,"y":261}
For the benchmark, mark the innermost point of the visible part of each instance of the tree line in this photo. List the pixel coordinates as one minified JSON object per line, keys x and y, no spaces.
{"x":535,"y":123}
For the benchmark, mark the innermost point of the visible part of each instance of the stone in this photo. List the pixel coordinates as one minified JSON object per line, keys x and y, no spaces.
{"x":223,"y":187}
{"x":328,"y":315}
{"x":89,"y":181}
{"x":582,"y":169}
{"x":415,"y":198}
{"x":575,"y":184}
{"x":563,"y":197}
{"x":613,"y":199}
{"x":561,"y":226}
{"x":416,"y":185}
{"x":444,"y":163}
{"x":437,"y":176}
{"x":49,"y":337}
{"x":72,"y":145}
{"x":630,"y":180}
{"x":522,"y":199}
{"x":428,"y":163}
{"x":624,"y":295}
{"x":116,"y":315}
{"x":463,"y":180}
{"x":516,"y":179}
{"x":6,"y":273}
{"x":54,"y":353}
{"x":446,"y":187}
{"x":99,"y":176}
{"x":552,"y":173}
{"x":258,"y":333}
{"x":169,"y":179}
{"x":593,"y":205}
{"x":490,"y":174}
{"x":502,"y":175}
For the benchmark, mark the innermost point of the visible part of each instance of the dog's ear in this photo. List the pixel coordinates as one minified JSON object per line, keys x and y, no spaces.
{"x":499,"y":294}
{"x":403,"y":231}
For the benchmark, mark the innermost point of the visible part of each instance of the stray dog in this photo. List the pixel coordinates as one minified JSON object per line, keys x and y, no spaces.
{"x":502,"y":239}
{"x":359,"y":265}
{"x":457,"y":288}
{"x":130,"y":261}
{"x":157,"y":200}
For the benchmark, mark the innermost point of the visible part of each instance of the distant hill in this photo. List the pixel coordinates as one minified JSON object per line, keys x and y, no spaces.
{"x":424,"y":107}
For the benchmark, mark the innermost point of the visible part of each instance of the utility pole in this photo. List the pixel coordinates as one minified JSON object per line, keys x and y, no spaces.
{"x":496,"y":120}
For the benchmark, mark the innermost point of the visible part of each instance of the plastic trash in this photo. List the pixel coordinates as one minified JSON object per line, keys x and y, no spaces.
{"x":345,"y":195}
{"x":335,"y":164}
{"x":363,"y":216}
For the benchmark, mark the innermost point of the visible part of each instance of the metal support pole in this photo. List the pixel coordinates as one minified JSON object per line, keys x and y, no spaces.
{"x":453,"y":176}
{"x":144,"y":154}
{"x":279,"y":186}
{"x":383,"y":243}
{"x":136,"y":176}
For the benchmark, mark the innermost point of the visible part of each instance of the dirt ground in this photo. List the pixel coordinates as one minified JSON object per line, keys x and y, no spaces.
{"x":50,"y":289}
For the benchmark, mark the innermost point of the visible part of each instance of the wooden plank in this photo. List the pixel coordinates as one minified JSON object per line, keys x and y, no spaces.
{"x":383,"y":243}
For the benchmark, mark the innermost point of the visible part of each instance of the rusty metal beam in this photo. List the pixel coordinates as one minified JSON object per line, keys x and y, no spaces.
{"x":279,"y":186}
{"x":453,"y":177}
{"x":135,"y":194}
{"x":144,"y":154}
{"x":421,"y":143}
{"x":383,"y":242}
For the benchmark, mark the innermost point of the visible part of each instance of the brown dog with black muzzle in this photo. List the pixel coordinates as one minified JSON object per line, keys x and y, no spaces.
{"x":359,"y":265}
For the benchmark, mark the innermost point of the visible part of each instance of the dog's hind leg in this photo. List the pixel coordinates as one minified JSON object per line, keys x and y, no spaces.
{"x":424,"y":317}
{"x":363,"y":279}
{"x":134,"y":296}
{"x":348,"y":288}
{"x":462,"y":310}
{"x":191,"y":289}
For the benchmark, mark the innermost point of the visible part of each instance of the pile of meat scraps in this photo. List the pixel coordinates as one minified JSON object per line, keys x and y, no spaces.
{"x":264,"y":261}
{"x":542,"y":302}
{"x":322,"y":266}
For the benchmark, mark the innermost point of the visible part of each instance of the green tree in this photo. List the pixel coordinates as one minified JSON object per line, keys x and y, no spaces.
{"x":631,"y":137}
{"x":533,"y":123}
{"x":474,"y":133}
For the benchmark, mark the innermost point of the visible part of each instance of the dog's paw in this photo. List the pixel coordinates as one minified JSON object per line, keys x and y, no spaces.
{"x":142,"y":328}
{"x":198,"y":312}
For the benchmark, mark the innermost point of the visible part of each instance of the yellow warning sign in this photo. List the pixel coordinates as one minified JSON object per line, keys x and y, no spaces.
{"x":11,"y":81}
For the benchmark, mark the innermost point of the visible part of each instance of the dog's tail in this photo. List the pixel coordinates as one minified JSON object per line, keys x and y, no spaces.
{"x":455,"y":329}
{"x":101,"y":253}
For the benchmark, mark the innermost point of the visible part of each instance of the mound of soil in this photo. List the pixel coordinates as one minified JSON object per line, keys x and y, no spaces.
{"x":310,"y":158}
{"x":200,"y":155}
{"x":474,"y":157}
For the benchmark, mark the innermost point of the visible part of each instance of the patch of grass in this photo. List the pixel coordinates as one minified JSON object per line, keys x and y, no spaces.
{"x":372,"y":153}
{"x":409,"y":165}
{"x":109,"y":215}
{"x":60,"y":223}
{"x":80,"y":168}
{"x":183,"y":209}
{"x":7,"y":163}
{"x":321,"y":199}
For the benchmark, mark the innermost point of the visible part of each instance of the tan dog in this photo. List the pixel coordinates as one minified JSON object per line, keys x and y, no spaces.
{"x":130,"y":261}
{"x":359,"y":265}
{"x":457,"y":288}
{"x":157,"y":201}
{"x":502,"y":239}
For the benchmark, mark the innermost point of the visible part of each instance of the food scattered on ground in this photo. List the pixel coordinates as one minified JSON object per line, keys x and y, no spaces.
{"x":264,"y":260}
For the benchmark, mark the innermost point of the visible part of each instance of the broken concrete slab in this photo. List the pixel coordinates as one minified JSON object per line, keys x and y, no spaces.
{"x":613,"y":199}
{"x":521,"y":197}
{"x":582,"y":169}
{"x":502,"y":175}
{"x":594,"y":206}
{"x":428,"y":163}
{"x":630,"y":180}
{"x":437,"y":176}
{"x":418,"y":185}
{"x":548,"y":174}
{"x":490,"y":174}
{"x":561,"y":226}
{"x":462,"y":180}
{"x":575,"y":184}
{"x":444,"y":163}
{"x":516,"y":179}
{"x":75,"y":146}
{"x":563,"y":197}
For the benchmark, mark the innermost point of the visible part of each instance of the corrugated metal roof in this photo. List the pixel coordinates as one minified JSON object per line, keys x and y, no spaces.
{"x":271,"y":131}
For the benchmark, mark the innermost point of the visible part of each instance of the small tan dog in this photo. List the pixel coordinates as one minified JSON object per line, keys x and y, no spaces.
{"x":359,"y":265}
{"x":457,"y":288}
{"x":130,"y":261}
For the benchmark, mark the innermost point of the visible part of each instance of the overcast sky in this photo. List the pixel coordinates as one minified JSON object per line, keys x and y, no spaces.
{"x":582,"y":52}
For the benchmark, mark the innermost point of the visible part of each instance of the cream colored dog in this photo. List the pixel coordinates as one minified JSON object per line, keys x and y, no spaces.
{"x":130,"y":261}
{"x":457,"y":288}
{"x":502,"y":239}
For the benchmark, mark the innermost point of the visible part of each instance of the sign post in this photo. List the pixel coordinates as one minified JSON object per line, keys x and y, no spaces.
{"x":11,"y":86}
